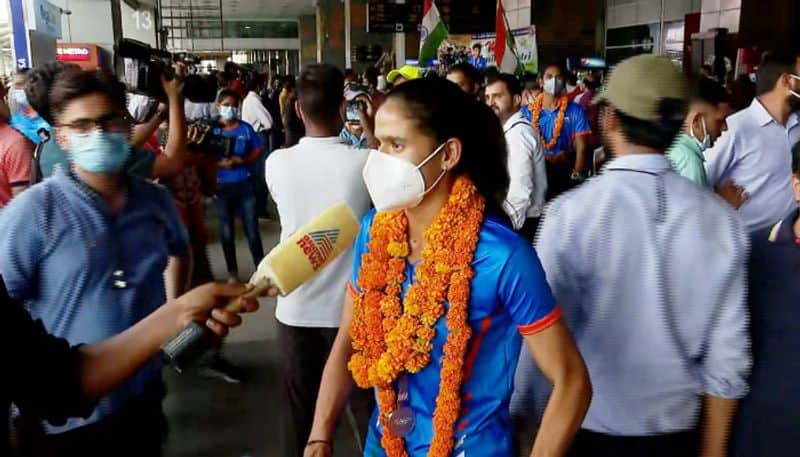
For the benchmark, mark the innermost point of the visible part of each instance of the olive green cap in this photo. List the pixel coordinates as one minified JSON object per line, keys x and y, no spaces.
{"x":638,"y":85}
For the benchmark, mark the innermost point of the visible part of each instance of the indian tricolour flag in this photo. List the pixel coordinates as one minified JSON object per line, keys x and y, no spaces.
{"x":504,"y":54}
{"x":432,"y":33}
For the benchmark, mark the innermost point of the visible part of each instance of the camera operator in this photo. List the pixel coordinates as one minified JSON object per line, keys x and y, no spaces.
{"x":141,"y":162}
{"x":91,"y":235}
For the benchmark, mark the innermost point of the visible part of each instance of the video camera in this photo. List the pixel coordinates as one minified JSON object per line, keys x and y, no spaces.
{"x":202,"y":137}
{"x":143,"y":67}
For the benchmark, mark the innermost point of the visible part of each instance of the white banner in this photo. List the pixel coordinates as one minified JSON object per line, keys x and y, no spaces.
{"x":524,"y":46}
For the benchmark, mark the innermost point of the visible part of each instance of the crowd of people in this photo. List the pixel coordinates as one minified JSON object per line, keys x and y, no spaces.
{"x":502,"y":275}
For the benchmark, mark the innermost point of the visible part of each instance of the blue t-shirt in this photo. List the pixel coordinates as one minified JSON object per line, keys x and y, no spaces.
{"x":86,"y":273}
{"x":509,"y":296}
{"x":479,"y":63}
{"x":353,"y":140}
{"x":575,"y":124}
{"x":246,"y":142}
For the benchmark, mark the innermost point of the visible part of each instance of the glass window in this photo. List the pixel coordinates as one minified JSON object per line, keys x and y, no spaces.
{"x":673,"y":41}
{"x":244,"y":29}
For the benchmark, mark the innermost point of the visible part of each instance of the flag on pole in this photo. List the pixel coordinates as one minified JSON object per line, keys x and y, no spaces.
{"x":432,"y":33}
{"x":504,"y":55}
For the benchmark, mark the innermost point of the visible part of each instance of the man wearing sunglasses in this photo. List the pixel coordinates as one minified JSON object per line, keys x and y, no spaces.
{"x":86,"y":252}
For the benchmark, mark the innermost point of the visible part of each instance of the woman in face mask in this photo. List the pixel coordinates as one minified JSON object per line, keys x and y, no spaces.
{"x":234,"y":190}
{"x":443,"y":293}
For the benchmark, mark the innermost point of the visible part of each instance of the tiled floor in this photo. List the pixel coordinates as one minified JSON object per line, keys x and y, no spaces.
{"x":210,"y":418}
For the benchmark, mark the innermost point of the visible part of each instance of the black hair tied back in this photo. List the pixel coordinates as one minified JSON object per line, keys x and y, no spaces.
{"x":445,"y":111}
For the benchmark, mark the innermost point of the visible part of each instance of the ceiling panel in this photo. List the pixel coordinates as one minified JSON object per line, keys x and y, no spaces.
{"x":266,"y":9}
{"x":250,"y":9}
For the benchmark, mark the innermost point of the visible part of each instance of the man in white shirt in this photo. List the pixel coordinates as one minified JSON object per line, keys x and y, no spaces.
{"x":254,"y":112}
{"x":526,"y":165}
{"x":318,"y":172}
{"x":755,"y":152}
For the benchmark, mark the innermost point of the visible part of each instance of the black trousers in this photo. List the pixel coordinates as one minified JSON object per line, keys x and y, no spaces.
{"x":257,"y":176}
{"x":593,"y":444}
{"x":305,"y":351}
{"x":529,"y":228}
{"x":558,"y":179}
{"x":136,"y":430}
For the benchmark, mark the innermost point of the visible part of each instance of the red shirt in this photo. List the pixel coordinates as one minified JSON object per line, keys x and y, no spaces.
{"x":15,"y":161}
{"x":239,"y":88}
{"x":575,"y":92}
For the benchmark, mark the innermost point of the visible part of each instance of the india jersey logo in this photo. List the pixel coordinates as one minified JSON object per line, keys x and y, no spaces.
{"x":318,"y":246}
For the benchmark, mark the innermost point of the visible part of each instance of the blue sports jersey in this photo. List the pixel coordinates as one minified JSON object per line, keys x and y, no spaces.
{"x":246,"y":142}
{"x":479,"y":63}
{"x":509,"y":296}
{"x":575,"y":124}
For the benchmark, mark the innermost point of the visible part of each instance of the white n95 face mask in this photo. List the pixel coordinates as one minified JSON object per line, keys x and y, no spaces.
{"x":394,"y":183}
{"x":553,"y":86}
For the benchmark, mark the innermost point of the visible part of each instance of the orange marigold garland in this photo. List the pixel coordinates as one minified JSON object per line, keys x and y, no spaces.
{"x":536,"y":112}
{"x":390,"y":338}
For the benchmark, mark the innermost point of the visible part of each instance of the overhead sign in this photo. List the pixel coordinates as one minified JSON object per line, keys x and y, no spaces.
{"x":593,"y":62}
{"x":19,"y":35}
{"x":73,"y":54}
{"x":383,"y":16}
{"x":48,"y":18}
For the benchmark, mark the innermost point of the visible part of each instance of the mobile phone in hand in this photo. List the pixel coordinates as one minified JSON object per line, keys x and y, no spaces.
{"x":353,"y":107}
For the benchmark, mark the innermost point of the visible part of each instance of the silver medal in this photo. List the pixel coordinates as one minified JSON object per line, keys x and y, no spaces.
{"x":402,"y":421}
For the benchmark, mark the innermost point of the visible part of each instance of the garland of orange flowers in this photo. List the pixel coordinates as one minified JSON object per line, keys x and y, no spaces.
{"x":536,"y":112}
{"x":390,"y":337}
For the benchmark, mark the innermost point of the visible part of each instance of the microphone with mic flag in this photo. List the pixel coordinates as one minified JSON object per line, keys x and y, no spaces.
{"x":290,"y":264}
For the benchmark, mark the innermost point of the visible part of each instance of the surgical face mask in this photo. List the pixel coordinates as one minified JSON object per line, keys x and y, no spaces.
{"x":394,"y":183}
{"x":98,"y":151}
{"x":795,"y":100}
{"x":553,"y":86}
{"x":707,"y":140}
{"x":794,"y":92}
{"x":228,"y":113}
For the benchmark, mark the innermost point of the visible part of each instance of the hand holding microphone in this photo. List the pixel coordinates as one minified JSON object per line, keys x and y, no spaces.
{"x":291,"y":263}
{"x":202,"y":304}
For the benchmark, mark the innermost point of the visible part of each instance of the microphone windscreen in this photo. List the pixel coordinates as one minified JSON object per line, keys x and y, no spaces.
{"x":309,"y":249}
